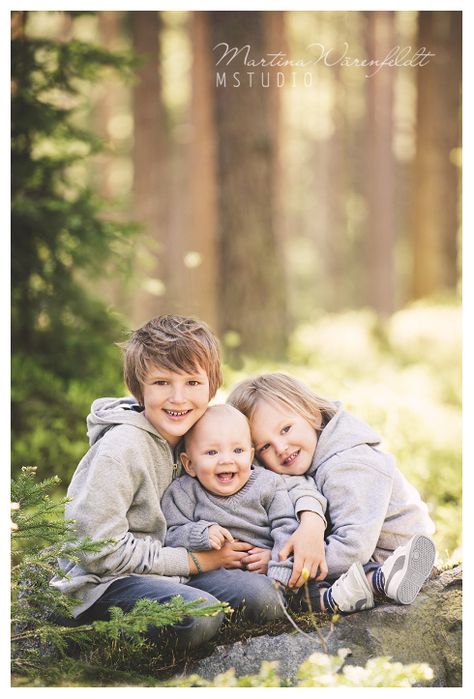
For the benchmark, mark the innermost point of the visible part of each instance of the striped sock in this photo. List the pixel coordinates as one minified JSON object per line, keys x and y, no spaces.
{"x":328,"y":601}
{"x":378,"y":581}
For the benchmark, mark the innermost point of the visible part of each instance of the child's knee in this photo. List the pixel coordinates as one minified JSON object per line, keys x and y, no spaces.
{"x":202,"y":629}
{"x":263,"y":602}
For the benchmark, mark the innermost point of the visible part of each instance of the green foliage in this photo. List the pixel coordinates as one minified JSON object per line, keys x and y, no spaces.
{"x":327,"y":671}
{"x":403,"y":377}
{"x":41,"y":635}
{"x":62,"y":238}
{"x":321,"y":670}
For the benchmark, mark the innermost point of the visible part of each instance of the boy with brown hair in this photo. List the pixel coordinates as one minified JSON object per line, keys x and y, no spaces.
{"x":172,"y":368}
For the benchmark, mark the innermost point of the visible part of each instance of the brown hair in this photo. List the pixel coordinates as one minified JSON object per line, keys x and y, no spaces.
{"x":284,"y":389}
{"x":172,"y":342}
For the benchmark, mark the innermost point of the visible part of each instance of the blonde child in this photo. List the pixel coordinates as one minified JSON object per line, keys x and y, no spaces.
{"x":378,"y":527}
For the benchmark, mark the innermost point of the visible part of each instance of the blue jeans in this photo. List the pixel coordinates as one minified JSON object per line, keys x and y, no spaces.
{"x":251,"y":595}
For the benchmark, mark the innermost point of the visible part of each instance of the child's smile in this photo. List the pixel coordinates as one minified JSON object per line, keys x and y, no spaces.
{"x":291,"y":458}
{"x":174,"y":401}
{"x":285,"y":441}
{"x":219,"y":452}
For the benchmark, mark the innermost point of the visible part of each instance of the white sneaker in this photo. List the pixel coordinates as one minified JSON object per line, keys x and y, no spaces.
{"x":351,"y":592}
{"x":407,"y":568}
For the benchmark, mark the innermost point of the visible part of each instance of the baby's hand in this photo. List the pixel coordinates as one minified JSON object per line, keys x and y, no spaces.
{"x":218,"y":535}
{"x":257,"y":560}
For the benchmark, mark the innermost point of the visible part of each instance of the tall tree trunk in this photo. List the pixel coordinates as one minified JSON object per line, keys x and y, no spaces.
{"x":435,"y":241}
{"x":109,"y":102}
{"x":275,"y":39}
{"x":333,"y":292}
{"x":150,"y":162}
{"x":381,"y":223}
{"x":203,"y":267}
{"x":252,"y":299}
{"x":109,"y":31}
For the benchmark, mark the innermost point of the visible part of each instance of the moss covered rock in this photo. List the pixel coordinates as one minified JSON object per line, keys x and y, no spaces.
{"x":428,"y":631}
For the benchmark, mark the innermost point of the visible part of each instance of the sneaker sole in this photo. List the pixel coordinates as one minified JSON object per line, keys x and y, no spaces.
{"x":419,"y":565}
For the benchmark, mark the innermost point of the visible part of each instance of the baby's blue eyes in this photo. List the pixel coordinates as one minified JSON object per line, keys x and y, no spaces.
{"x":213,"y":452}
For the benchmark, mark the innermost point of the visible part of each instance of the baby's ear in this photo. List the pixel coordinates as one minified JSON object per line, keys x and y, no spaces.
{"x":187,"y":464}
{"x":252,"y":455}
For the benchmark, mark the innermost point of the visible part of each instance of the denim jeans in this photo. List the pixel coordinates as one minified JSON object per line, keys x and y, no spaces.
{"x":188,"y":633}
{"x":251,"y":595}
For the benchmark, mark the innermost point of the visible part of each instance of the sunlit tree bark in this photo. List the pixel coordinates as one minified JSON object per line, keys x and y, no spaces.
{"x":380,"y":242}
{"x":435,"y":241}
{"x":150,"y":167}
{"x":251,"y":289}
{"x":203,"y":267}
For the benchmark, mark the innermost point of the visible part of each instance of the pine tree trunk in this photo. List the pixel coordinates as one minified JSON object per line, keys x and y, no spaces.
{"x":202,"y":279}
{"x":252,"y":299}
{"x":380,"y":272}
{"x":436,"y":220}
{"x":150,"y":167}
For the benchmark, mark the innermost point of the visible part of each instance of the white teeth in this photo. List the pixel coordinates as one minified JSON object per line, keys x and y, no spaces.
{"x":177,"y":413}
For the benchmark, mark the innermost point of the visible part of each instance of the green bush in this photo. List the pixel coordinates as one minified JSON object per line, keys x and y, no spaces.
{"x":41,"y":634}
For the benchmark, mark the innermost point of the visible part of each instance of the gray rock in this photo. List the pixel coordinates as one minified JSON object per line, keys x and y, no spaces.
{"x":429,"y":631}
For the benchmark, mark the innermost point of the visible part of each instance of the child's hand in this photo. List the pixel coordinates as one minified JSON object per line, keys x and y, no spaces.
{"x":307,"y":545}
{"x":229,"y":556}
{"x":257,"y":560}
{"x":218,"y":536}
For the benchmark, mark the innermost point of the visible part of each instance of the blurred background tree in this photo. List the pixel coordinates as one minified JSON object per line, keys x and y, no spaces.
{"x":310,"y":213}
{"x":62,"y":334}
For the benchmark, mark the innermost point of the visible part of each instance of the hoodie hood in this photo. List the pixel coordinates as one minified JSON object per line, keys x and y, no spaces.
{"x":344,"y":431}
{"x":107,"y":412}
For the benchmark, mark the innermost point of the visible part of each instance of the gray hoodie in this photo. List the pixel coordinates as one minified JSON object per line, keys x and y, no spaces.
{"x":116,"y":493}
{"x":371,"y":507}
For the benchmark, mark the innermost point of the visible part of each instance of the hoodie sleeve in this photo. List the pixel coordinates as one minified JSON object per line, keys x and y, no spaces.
{"x":101,"y":499}
{"x":358,"y":498}
{"x":282,"y":525}
{"x":178,"y":507}
{"x":305,"y":496}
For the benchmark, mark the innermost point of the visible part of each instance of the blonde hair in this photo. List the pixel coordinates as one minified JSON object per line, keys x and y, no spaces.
{"x":171,"y":342}
{"x":285,"y":390}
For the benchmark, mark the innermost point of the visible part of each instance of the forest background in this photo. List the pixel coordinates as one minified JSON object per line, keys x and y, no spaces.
{"x":311,"y":214}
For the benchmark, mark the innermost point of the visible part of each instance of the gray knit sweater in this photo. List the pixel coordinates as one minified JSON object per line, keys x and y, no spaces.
{"x":261,"y":513}
{"x":372,"y":508}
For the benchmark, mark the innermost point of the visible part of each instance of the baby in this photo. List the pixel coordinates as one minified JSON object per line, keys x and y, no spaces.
{"x":224,"y":497}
